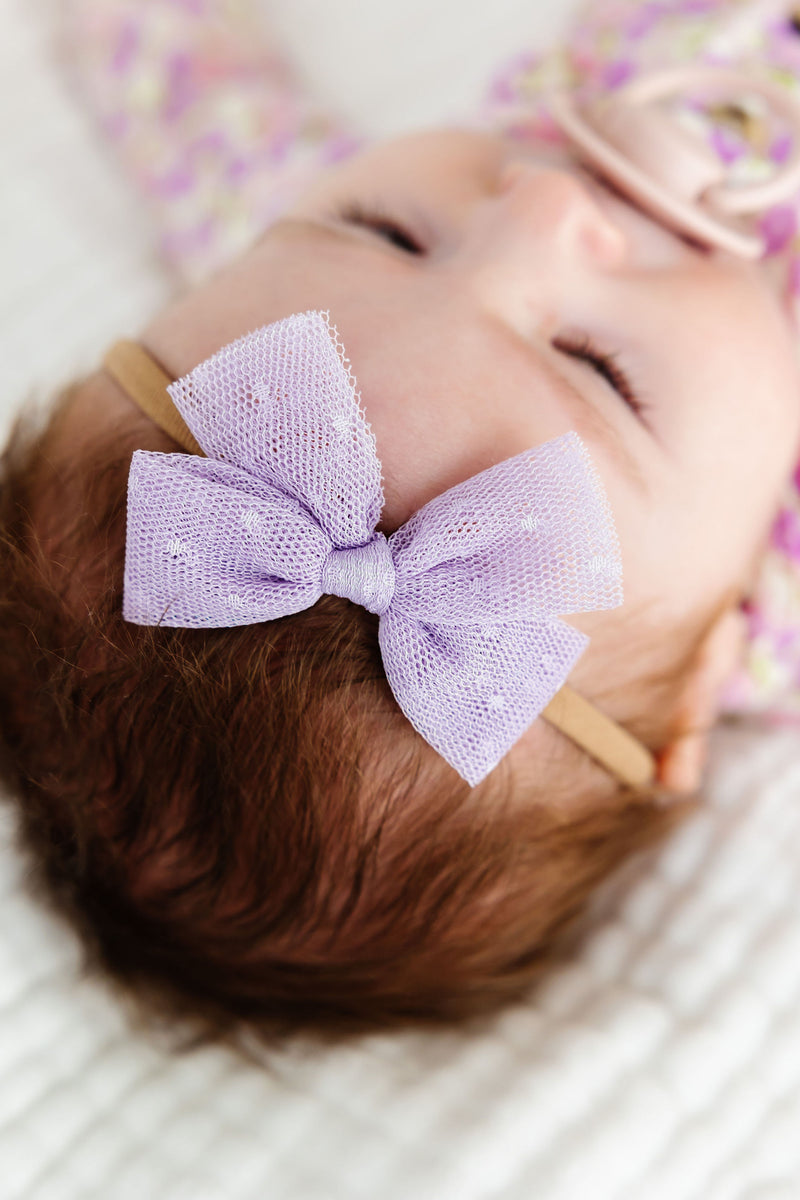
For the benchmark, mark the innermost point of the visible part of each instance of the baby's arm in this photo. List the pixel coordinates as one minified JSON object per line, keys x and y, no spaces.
{"x":204,"y":115}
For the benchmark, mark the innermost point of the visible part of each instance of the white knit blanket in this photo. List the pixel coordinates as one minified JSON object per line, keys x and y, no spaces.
{"x":663,"y":1064}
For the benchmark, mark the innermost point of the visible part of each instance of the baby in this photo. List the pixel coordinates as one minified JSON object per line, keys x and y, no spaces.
{"x":241,"y":821}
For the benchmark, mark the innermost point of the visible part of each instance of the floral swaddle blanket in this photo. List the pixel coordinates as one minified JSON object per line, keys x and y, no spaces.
{"x":219,"y":138}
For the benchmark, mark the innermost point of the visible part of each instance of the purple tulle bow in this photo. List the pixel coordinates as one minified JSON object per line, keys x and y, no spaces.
{"x":284,"y":509}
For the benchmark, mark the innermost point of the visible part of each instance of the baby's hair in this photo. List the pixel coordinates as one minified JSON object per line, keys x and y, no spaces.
{"x":241,"y":825}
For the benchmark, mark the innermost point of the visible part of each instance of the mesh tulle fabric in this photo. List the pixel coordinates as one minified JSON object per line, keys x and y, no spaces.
{"x":284,"y":508}
{"x":282,"y":405}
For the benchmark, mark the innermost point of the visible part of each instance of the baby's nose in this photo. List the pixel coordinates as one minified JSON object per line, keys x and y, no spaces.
{"x":554,"y":211}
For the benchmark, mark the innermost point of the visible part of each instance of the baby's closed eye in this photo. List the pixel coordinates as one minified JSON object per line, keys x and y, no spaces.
{"x":384,"y":224}
{"x":604,"y":362}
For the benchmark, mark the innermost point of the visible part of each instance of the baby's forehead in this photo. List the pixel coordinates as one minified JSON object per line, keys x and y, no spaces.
{"x":94,"y":411}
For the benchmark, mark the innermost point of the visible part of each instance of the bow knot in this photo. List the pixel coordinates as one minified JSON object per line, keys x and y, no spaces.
{"x":364,"y":574}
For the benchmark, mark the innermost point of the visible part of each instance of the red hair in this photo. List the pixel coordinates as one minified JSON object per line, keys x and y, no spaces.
{"x":240,"y":823}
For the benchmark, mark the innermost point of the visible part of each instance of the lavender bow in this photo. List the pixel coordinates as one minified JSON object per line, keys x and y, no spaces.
{"x":284,"y":509}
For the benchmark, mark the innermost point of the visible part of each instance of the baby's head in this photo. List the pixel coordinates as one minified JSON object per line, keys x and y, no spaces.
{"x":241,"y":821}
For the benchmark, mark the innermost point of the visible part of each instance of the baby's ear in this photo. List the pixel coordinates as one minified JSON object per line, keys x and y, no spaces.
{"x":680,"y":764}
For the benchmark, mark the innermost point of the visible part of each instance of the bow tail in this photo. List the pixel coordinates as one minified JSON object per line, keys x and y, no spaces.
{"x":472,"y":691}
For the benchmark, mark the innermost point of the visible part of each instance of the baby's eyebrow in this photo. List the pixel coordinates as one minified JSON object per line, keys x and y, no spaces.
{"x":306,"y":225}
{"x":587,"y":417}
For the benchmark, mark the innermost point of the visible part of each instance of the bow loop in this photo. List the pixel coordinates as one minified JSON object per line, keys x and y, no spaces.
{"x":281,"y":404}
{"x":488,"y":681}
{"x":531,"y":536}
{"x":209,"y":546}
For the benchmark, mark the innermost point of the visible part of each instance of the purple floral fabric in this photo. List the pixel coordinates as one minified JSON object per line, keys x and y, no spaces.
{"x":203,"y":114}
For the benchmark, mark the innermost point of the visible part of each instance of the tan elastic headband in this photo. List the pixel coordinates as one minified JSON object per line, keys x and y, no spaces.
{"x":145,"y":382}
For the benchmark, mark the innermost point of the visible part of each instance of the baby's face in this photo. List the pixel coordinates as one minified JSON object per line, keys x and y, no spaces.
{"x":472,"y":279}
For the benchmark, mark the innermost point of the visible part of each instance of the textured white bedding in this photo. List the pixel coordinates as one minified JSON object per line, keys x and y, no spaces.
{"x":664,"y":1064}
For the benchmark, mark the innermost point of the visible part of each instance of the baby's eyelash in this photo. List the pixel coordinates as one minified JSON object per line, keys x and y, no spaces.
{"x":381,"y":222}
{"x":604,"y":362}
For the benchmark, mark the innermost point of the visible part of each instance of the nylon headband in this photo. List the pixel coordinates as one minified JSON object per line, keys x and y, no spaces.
{"x":145,"y":382}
